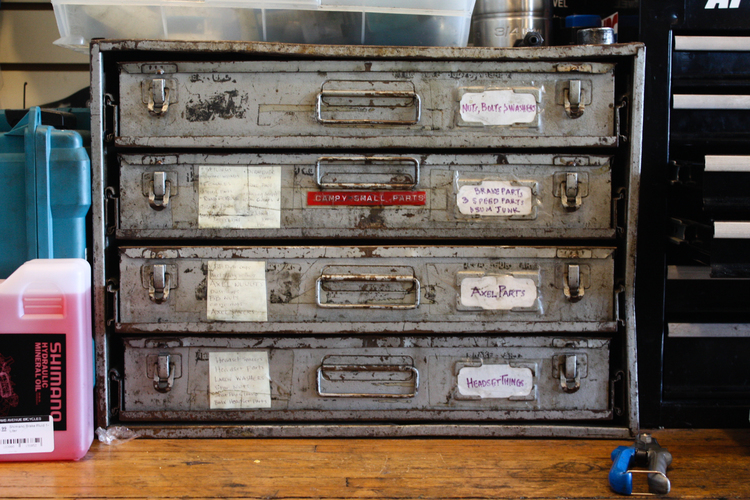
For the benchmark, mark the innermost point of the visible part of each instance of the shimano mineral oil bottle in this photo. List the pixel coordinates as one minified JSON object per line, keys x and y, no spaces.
{"x":46,"y":379}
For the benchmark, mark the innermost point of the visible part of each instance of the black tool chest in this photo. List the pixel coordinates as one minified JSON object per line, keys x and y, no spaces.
{"x":693,"y":316}
{"x":338,"y":241}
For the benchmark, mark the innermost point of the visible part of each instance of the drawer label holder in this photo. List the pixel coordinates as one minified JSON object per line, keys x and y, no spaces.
{"x":366,"y":198}
{"x":495,"y":198}
{"x":498,"y":292}
{"x":498,"y":107}
{"x":495,"y":381}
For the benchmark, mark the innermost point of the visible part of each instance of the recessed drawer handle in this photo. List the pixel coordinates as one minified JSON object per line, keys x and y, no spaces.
{"x":712,"y":43}
{"x":368,"y":368}
{"x":365,"y":279}
{"x":372,"y":94}
{"x":367,"y":185}
{"x":716,"y":163}
{"x":711,"y":101}
{"x":731,"y":230}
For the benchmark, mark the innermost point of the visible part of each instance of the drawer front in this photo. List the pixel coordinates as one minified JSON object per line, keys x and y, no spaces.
{"x":366,"y":104}
{"x":331,"y":290}
{"x":725,"y":182}
{"x":446,"y":378}
{"x":431,"y":196}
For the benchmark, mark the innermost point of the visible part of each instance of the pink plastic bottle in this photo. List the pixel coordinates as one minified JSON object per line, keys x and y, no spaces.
{"x":46,"y":361}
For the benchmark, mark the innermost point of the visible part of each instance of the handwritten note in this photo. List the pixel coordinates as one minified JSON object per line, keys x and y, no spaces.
{"x":498,"y":292}
{"x":236,"y":291}
{"x":239,"y":380}
{"x":498,"y":107}
{"x":495,"y":198}
{"x":495,"y":381}
{"x":239,"y":197}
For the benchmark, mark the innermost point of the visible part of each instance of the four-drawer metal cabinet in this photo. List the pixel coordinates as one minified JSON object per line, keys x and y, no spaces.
{"x":365,"y":241}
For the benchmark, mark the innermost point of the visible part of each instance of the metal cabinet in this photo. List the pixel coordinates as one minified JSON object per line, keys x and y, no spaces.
{"x":694,"y":324}
{"x":365,"y":241}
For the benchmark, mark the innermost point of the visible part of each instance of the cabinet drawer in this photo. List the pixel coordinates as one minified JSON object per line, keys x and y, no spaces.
{"x":366,"y":104}
{"x":450,"y":378}
{"x":323,"y":196}
{"x":330,"y":290}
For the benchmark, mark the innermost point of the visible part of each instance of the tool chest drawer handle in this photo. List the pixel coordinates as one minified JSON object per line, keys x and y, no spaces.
{"x":366,"y":279}
{"x":368,"y":368}
{"x":711,"y":101}
{"x":717,"y":163}
{"x":712,"y":43}
{"x":319,"y":174}
{"x":372,"y":94}
{"x":731,"y":230}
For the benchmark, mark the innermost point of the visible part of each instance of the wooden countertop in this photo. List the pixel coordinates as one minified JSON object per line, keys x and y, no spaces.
{"x":707,"y":464}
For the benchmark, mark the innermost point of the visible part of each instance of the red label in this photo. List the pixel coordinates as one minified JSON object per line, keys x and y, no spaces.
{"x":366,"y":198}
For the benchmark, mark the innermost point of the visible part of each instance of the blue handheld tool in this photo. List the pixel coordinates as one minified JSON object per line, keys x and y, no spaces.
{"x":647,"y":453}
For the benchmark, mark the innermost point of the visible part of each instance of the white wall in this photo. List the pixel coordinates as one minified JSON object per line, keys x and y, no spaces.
{"x":27,"y":55}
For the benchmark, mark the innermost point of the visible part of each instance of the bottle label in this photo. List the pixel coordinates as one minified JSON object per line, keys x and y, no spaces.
{"x":33,"y":371}
{"x":26,"y":435}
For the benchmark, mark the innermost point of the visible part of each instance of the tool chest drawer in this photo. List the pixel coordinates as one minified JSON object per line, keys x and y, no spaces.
{"x":451,"y":378}
{"x":426,"y":196}
{"x":328,"y":103}
{"x":365,"y":241}
{"x":252,"y":290}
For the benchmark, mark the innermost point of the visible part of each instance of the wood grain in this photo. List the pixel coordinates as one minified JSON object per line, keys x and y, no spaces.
{"x":708,"y":464}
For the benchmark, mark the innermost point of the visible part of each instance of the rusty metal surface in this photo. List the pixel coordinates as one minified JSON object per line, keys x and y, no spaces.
{"x":434,"y":396}
{"x":240,"y":50}
{"x":524,"y":288}
{"x":622,"y":142}
{"x":165,"y":430}
{"x":443,"y":185}
{"x":363,"y":104}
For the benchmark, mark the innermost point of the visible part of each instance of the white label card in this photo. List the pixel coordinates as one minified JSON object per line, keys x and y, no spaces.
{"x":498,"y":107}
{"x":495,"y":381}
{"x":236,"y":291}
{"x":495,"y":198}
{"x":239,"y":197}
{"x":26,"y":435}
{"x":498,"y":292}
{"x":239,"y":380}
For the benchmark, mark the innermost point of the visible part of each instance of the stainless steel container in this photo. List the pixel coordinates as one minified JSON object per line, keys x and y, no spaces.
{"x":500,"y":23}
{"x":596,"y":36}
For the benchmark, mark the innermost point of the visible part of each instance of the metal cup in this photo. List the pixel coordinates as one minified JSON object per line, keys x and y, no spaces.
{"x":596,"y":36}
{"x":500,"y":23}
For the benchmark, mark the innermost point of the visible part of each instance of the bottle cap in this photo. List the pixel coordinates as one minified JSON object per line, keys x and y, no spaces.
{"x":583,"y":21}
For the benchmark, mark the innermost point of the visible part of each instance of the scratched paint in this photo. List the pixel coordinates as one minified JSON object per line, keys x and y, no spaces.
{"x":226,"y":105}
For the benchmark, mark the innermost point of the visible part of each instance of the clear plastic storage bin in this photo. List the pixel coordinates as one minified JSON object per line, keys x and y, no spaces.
{"x":345,"y":22}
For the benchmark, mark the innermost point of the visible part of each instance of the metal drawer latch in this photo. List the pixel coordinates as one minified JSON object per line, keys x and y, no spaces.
{"x":163,"y":373}
{"x":567,"y":367}
{"x":573,"y":289}
{"x":159,"y":191}
{"x":574,"y":99}
{"x":158,"y":97}
{"x":570,"y":192}
{"x":159,"y":284}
